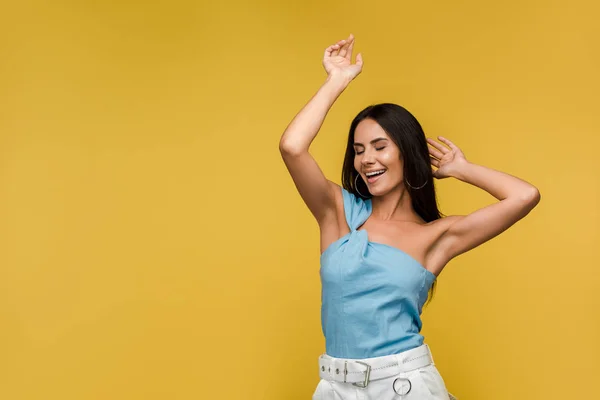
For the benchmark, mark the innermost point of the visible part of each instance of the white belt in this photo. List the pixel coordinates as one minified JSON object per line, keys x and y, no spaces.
{"x":360,"y":372}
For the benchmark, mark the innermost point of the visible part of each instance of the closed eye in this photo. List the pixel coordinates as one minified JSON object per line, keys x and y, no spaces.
{"x":378,"y":149}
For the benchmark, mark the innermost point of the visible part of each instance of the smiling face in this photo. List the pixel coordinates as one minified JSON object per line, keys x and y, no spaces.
{"x":375,"y":152}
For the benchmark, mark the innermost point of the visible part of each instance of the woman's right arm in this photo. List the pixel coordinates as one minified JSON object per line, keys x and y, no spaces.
{"x":317,"y":192}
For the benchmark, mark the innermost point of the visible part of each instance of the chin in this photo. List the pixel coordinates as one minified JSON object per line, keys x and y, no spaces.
{"x":378,"y":191}
{"x":381,"y":190}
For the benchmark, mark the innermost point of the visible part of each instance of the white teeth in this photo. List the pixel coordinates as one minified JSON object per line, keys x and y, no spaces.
{"x":369,"y":174}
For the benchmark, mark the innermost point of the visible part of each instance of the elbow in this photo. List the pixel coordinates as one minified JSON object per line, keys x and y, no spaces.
{"x":531,"y":197}
{"x":286,"y":148}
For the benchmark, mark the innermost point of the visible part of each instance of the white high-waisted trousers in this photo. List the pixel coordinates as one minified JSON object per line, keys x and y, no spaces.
{"x":411,"y":375}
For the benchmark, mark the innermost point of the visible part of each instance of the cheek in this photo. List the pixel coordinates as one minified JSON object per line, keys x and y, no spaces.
{"x":393,"y":164}
{"x":391,"y":160}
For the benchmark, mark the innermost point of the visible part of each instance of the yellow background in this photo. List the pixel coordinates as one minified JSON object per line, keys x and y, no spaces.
{"x":153,"y":246}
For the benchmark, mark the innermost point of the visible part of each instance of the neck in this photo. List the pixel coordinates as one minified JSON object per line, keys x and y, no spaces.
{"x":396,"y":205}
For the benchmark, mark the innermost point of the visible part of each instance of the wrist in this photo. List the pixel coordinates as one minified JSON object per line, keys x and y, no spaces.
{"x":337,"y":79}
{"x":461,"y":172}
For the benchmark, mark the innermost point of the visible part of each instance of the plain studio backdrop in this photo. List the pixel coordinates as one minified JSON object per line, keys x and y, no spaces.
{"x":153,"y":245}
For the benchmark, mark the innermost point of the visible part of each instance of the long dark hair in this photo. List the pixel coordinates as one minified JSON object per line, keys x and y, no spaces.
{"x":404,"y":129}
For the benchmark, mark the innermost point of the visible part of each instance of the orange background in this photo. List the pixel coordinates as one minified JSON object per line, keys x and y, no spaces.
{"x":153,"y":246}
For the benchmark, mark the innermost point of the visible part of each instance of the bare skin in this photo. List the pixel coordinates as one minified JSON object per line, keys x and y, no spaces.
{"x":393,"y":221}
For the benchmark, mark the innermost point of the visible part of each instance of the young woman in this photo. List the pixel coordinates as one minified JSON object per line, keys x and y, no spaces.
{"x":383,"y":240}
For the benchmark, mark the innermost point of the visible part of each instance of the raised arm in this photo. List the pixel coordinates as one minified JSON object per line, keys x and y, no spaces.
{"x":464,"y":232}
{"x":316,"y":191}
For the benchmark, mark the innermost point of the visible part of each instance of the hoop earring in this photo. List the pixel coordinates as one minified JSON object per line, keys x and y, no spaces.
{"x":356,"y":186}
{"x":416,"y":188}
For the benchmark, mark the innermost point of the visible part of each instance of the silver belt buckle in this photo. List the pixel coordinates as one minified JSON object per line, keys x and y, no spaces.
{"x":367,"y":374}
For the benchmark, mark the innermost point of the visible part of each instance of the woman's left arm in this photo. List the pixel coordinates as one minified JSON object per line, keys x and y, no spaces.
{"x":463,"y":233}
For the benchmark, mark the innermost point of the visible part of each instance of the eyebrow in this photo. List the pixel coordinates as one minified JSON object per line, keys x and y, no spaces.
{"x":372,"y":141}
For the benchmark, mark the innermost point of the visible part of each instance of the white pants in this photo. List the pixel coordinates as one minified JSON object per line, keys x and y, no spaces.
{"x":411,"y":375}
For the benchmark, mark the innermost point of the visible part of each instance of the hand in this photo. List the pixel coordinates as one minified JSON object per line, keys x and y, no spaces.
{"x":447,"y":161}
{"x":338,"y":59}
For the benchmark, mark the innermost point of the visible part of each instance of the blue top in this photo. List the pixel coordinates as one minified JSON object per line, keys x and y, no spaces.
{"x":372,"y":293}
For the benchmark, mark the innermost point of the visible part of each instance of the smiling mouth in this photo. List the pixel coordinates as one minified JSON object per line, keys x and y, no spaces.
{"x":375,"y":178}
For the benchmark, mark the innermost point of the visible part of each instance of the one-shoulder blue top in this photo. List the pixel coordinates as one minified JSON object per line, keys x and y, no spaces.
{"x":372,"y":293}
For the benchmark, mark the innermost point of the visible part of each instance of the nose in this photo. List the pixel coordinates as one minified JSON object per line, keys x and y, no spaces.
{"x":367,"y":158}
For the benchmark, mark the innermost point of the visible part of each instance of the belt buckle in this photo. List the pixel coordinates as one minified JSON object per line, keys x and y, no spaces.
{"x":367,"y":374}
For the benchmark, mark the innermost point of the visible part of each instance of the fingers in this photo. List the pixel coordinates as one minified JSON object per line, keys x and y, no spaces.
{"x":342,"y":48}
{"x":337,"y":47}
{"x":359,"y":60}
{"x":329,"y":50}
{"x":346,"y":50}
{"x":448,"y":143}
{"x":438,"y":146}
{"x":348,"y":54}
{"x":435,"y":153}
{"x":332,"y":50}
